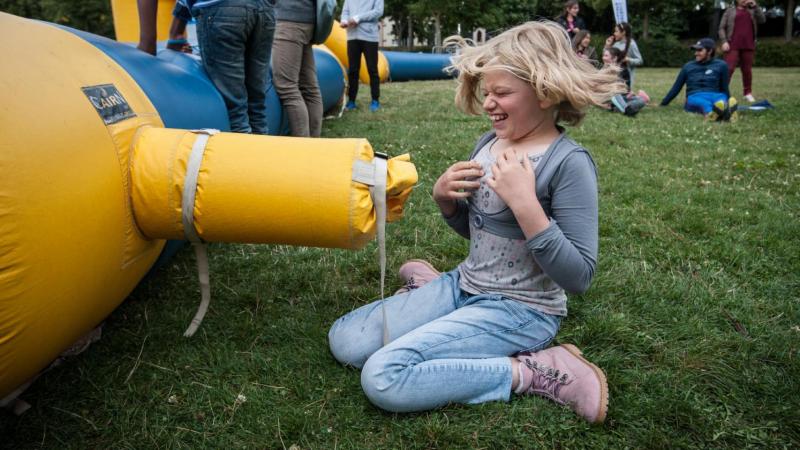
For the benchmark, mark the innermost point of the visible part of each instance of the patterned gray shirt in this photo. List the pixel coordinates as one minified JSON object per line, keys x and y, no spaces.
{"x":561,"y":258}
{"x":504,"y":265}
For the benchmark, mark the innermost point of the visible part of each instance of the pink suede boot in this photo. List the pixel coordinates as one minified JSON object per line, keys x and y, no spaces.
{"x":644,"y":96}
{"x":416,"y":272}
{"x":564,"y":376}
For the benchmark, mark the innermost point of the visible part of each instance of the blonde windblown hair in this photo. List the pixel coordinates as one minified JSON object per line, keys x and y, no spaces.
{"x":541,"y":54}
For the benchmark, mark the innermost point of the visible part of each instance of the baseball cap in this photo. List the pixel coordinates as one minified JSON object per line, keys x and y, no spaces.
{"x":706,"y":43}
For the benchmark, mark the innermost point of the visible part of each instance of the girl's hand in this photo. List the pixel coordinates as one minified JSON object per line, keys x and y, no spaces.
{"x":459,"y":181}
{"x":513,"y":181}
{"x":609,"y":41}
{"x":726,"y":47}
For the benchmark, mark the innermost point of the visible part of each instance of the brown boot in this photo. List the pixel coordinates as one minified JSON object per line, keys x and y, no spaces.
{"x":564,"y":376}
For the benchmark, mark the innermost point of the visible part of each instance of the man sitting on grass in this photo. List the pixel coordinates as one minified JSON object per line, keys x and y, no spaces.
{"x":706,"y":80}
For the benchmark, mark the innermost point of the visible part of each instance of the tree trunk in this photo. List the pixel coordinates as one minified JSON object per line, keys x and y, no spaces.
{"x":713,"y":29}
{"x":410,"y":34}
{"x":437,"y":32}
{"x":646,"y":25}
{"x":787,"y":28}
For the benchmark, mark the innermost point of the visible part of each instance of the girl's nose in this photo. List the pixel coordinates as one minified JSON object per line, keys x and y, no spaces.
{"x":488,"y":103}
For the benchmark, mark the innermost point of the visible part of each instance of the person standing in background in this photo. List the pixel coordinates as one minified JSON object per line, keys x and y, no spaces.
{"x":622,"y":38}
{"x":294,"y":73}
{"x":737,"y":31}
{"x":360,"y":18}
{"x":570,"y":19}
{"x":235,"y":44}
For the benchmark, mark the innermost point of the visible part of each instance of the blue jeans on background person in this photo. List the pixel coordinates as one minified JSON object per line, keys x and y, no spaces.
{"x":703,"y":102}
{"x":446,"y":345}
{"x":235,"y":38}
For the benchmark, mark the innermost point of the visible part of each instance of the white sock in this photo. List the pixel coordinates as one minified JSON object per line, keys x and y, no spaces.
{"x":521,"y":385}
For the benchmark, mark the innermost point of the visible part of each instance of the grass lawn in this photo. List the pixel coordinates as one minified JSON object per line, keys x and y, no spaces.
{"x":694,"y":312}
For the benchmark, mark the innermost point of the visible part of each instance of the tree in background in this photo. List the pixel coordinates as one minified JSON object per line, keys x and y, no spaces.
{"x":93,"y":16}
{"x":789,"y":24}
{"x":430,"y":20}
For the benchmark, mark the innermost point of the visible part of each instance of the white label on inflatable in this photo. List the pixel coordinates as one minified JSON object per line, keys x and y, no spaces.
{"x":109,"y":103}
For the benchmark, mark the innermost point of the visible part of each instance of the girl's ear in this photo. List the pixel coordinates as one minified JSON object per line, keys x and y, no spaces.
{"x":545,"y":104}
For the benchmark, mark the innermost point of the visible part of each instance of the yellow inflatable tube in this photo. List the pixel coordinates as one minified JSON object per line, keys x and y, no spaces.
{"x":70,"y":251}
{"x":263,"y":189}
{"x":88,"y":188}
{"x":337,"y":43}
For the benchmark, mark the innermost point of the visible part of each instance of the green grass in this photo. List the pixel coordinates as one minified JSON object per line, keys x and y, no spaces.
{"x":694,"y":312}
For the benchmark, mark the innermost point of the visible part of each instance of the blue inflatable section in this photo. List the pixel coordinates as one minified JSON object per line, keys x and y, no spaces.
{"x":329,"y":75}
{"x":331,"y":79}
{"x":184,"y":98}
{"x":178,"y":87}
{"x":404,"y":66}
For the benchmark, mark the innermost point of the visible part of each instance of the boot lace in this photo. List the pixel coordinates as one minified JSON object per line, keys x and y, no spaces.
{"x":547,"y":381}
{"x":410,"y":284}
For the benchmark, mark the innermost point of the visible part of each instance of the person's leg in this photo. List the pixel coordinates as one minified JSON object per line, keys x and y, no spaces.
{"x":700,"y":102}
{"x":746,"y":63}
{"x":148,"y":13}
{"x":619,"y":103}
{"x":309,"y":87}
{"x":462,"y":357}
{"x":354,"y":50}
{"x":371,"y":57}
{"x":732,"y":60}
{"x":355,"y":336}
{"x":635,"y":104}
{"x":287,"y":59}
{"x":257,"y":57}
{"x":222,"y":40}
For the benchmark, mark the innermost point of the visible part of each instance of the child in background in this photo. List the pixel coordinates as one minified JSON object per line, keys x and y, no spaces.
{"x":527,"y":202}
{"x":627,"y":103}
{"x":622,"y":39}
{"x":582,"y":44}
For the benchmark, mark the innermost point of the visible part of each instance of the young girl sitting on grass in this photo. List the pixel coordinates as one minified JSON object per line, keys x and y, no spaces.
{"x":527,"y":201}
{"x":626,"y":103}
{"x":582,"y":44}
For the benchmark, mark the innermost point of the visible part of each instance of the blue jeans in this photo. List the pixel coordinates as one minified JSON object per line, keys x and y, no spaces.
{"x":235,"y":39}
{"x":447,"y":346}
{"x":703,"y":102}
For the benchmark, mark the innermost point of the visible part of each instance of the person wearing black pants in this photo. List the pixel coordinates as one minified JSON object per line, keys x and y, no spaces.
{"x":355,"y":49}
{"x":360,"y":18}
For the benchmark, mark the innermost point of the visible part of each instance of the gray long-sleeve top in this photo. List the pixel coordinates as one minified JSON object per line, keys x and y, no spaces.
{"x":300,"y":11}
{"x":562,"y":257}
{"x":367,"y":13}
{"x":634,"y":55}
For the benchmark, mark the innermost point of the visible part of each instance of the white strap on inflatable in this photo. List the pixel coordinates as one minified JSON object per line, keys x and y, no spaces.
{"x":189,"y":230}
{"x":375,"y":175}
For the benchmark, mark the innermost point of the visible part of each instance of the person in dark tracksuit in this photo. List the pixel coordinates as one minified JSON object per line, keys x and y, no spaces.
{"x":706,"y":80}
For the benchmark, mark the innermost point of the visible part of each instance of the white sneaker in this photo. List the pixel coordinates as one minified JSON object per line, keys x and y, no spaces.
{"x":750,"y":98}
